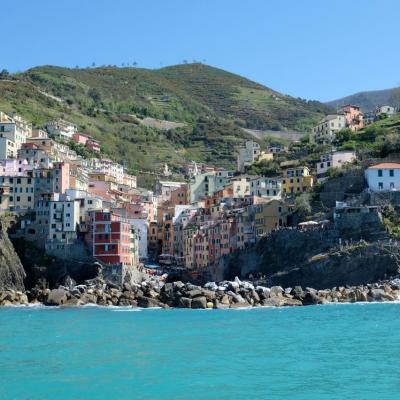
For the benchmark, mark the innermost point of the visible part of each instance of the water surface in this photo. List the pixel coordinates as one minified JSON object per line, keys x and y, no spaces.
{"x":319,"y":352}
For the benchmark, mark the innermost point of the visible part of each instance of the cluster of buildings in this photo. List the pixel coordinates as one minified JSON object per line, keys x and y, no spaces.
{"x":379,"y":112}
{"x":349,"y":116}
{"x":69,"y":205}
{"x":75,"y":207}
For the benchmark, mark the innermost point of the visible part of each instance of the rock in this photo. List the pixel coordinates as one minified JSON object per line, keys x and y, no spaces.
{"x":209,"y":294}
{"x":23,"y":299}
{"x":88,"y":298}
{"x":194,"y":293}
{"x":73,"y":302}
{"x":310,"y":298}
{"x":147,"y":302}
{"x":211,"y":286}
{"x":125,"y":302}
{"x":276,"y":291}
{"x":291,"y":302}
{"x":237,"y":298}
{"x":185,"y":302}
{"x":57,"y":297}
{"x":225,"y":300}
{"x":178,"y":285}
{"x":377,"y":294}
{"x":220,"y":306}
{"x":233,"y":286}
{"x":272,"y":302}
{"x":210,"y":304}
{"x":247,"y":285}
{"x":199,"y":302}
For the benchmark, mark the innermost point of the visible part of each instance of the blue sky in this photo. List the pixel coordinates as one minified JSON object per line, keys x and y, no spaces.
{"x":315,"y":49}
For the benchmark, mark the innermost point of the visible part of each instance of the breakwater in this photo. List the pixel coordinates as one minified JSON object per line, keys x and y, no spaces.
{"x":225,"y":294}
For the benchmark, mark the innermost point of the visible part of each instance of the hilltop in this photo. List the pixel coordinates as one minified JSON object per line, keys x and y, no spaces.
{"x":148,"y":117}
{"x":368,"y":101}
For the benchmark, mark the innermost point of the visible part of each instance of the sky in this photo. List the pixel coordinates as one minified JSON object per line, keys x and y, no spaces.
{"x":313,"y":49}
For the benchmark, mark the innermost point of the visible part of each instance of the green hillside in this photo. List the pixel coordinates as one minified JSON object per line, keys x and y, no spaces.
{"x":368,"y":101}
{"x":124,"y":107}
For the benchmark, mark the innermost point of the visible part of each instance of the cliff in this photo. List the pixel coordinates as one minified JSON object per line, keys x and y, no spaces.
{"x":12,"y":272}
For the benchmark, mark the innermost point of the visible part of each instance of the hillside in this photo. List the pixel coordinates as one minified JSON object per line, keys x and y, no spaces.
{"x":369,"y":100}
{"x":148,"y":117}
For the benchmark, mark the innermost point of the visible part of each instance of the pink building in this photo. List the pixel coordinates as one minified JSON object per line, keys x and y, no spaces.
{"x":354,"y":117}
{"x":80,"y":138}
{"x":15,"y":167}
{"x":93,"y":145}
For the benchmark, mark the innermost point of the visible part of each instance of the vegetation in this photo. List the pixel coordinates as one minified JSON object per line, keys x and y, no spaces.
{"x":114,"y":104}
{"x":391,"y":220}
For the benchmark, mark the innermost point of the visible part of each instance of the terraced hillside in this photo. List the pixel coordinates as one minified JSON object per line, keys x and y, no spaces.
{"x":209,"y":105}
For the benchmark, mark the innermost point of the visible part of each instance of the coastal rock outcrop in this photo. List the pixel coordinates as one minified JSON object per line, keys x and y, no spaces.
{"x":12,"y":272}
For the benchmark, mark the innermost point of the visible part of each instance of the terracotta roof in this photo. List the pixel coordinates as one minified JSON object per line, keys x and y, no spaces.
{"x":390,"y":165}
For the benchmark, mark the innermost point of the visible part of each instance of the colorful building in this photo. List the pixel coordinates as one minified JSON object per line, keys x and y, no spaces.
{"x":297,"y":180}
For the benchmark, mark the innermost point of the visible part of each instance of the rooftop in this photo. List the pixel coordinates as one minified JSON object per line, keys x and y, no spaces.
{"x":387,"y":165}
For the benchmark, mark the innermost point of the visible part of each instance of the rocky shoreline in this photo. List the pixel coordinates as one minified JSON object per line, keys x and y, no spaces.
{"x":225,"y":294}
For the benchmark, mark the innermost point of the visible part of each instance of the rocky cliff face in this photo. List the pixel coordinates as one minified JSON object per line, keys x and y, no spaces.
{"x":322,"y":258}
{"x":355,"y":265}
{"x":12,"y":273}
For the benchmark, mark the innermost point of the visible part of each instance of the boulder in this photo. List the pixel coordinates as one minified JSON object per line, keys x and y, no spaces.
{"x":276,"y":291}
{"x":225,"y":300}
{"x":88,"y":298}
{"x":57,"y":297}
{"x":220,"y":306}
{"x":310,"y":298}
{"x":209,"y":294}
{"x":211,"y":286}
{"x":73,"y":302}
{"x":194,"y":293}
{"x":185,"y":302}
{"x":199,"y":302}
{"x":147,"y":302}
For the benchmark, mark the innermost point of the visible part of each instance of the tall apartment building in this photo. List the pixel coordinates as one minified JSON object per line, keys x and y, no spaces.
{"x":114,"y":240}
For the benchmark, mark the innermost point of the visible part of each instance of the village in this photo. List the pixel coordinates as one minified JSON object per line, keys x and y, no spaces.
{"x":64,"y":197}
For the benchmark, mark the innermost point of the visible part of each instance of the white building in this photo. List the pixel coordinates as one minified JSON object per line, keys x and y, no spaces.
{"x":61,"y":129}
{"x":383,"y":177}
{"x":266,"y":187}
{"x":63,"y":219}
{"x":109,"y":168}
{"x":13,"y":132}
{"x":249,"y":154}
{"x":8,"y":148}
{"x":388,"y":110}
{"x":325,"y":131}
{"x":141,"y":228}
{"x":333,"y":160}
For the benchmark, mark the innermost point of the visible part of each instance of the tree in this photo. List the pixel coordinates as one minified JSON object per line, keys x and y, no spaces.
{"x":343,"y":136}
{"x":303,"y":205}
{"x":93,"y":64}
{"x":94,"y":94}
{"x":4,"y":74}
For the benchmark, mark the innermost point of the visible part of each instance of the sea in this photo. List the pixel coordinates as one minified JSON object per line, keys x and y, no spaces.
{"x":343,"y":351}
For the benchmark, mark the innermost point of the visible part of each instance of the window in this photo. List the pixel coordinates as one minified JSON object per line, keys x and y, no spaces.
{"x":391,"y":172}
{"x":380,"y":185}
{"x":379,"y":172}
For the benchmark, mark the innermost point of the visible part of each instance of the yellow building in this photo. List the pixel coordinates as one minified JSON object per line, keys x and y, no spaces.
{"x":297,"y":180}
{"x":270,"y":216}
{"x":17,"y":193}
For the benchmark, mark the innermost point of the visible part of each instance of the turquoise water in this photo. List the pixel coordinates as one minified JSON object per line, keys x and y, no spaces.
{"x":319,"y":352}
